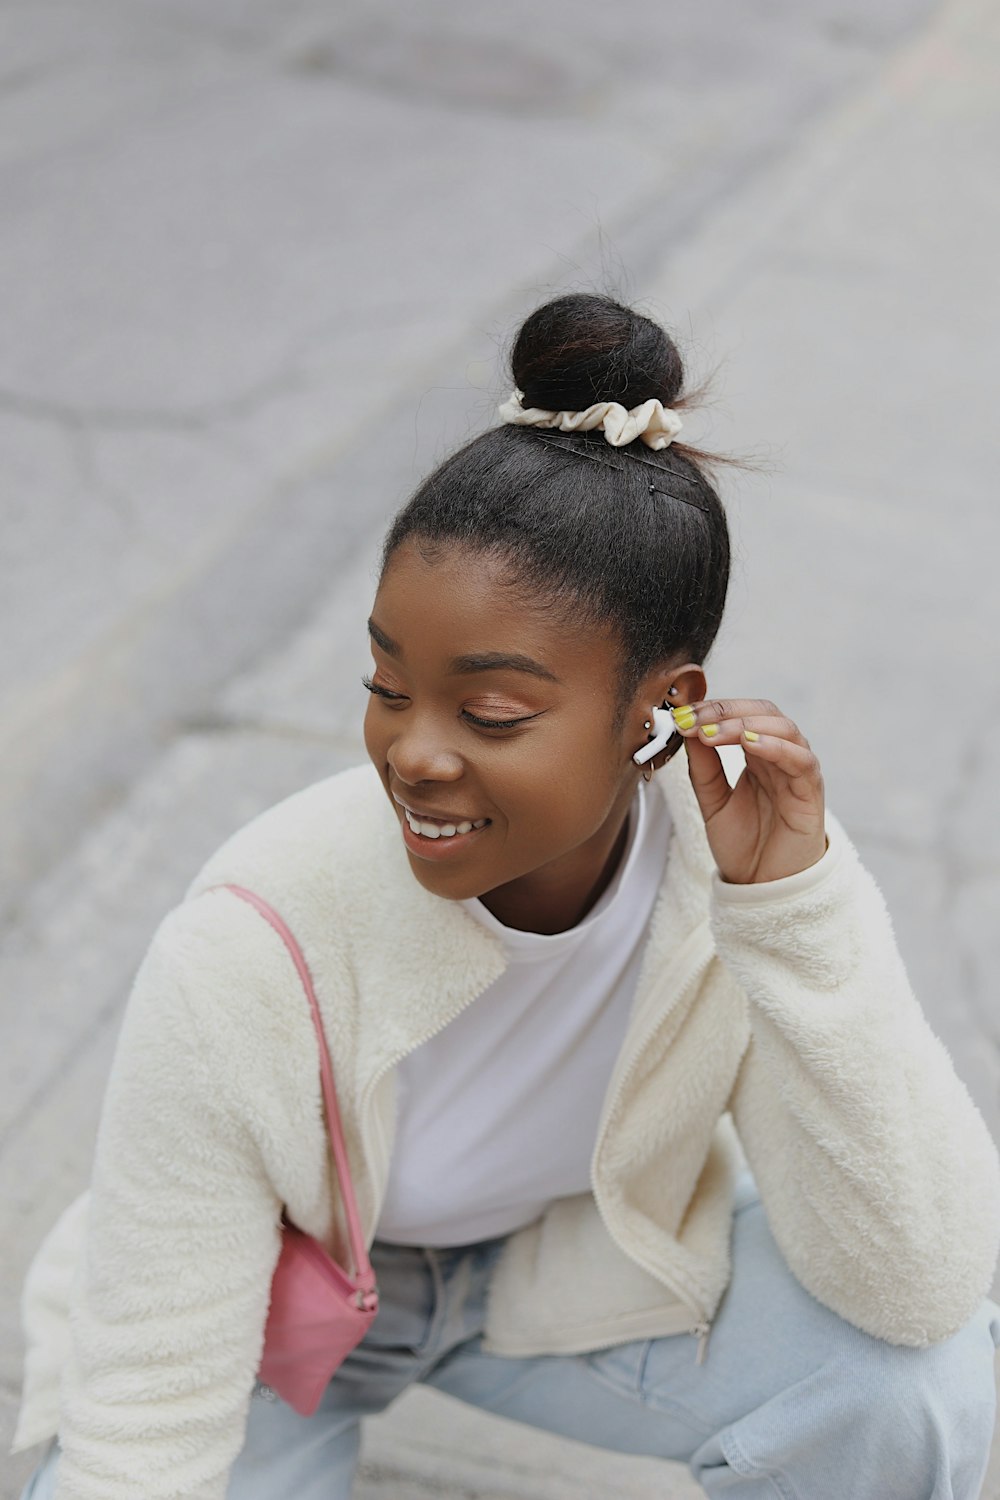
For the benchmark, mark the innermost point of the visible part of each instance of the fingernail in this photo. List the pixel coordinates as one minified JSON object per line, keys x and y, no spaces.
{"x":709,"y":730}
{"x":748,"y":734}
{"x":684,"y":717}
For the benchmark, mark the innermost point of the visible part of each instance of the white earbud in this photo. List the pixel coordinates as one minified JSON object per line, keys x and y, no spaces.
{"x":664,"y":729}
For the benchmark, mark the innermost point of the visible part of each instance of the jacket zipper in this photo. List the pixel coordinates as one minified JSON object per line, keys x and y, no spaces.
{"x":702,"y":1327}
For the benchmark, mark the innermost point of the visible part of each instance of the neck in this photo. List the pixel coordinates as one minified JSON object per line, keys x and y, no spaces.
{"x":558,"y":896}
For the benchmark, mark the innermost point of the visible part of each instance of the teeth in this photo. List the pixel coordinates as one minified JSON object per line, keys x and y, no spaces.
{"x":440,"y":830}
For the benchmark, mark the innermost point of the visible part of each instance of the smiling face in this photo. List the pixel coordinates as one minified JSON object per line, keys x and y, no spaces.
{"x":492,"y":713}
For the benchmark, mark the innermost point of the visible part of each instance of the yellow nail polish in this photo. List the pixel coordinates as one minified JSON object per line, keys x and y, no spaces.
{"x":710,"y":730}
{"x":684,"y":717}
{"x":748,"y":734}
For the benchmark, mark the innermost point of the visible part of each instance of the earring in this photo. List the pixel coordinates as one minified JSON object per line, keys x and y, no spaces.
{"x":672,"y":692}
{"x":647,"y":774}
{"x":647,"y":725}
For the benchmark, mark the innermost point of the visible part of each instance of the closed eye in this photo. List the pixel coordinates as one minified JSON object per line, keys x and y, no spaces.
{"x":383,"y":692}
{"x":495,"y":723}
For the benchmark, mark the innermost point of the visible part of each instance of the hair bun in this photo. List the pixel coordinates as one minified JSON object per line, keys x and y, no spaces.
{"x":583,"y":348}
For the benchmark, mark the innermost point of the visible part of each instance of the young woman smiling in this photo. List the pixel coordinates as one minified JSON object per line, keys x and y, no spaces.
{"x":620,"y":1061}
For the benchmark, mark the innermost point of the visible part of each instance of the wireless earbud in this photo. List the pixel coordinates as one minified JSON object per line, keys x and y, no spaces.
{"x":664,"y":729}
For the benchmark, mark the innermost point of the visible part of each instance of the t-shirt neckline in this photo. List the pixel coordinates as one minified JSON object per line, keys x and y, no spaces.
{"x":521,"y":945}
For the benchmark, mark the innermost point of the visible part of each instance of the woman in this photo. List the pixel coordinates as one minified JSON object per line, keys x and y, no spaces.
{"x":619,"y":1063}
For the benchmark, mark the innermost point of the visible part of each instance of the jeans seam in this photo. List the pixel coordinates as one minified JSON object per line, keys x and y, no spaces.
{"x":731,"y":1448}
{"x":438,"y":1311}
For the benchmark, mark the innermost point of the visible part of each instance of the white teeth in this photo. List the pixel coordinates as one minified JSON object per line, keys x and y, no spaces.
{"x":440,"y":830}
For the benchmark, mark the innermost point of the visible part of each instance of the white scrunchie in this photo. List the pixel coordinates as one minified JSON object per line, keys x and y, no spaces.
{"x":656,"y":424}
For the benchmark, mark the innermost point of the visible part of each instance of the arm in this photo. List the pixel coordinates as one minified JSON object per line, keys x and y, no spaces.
{"x":879,"y":1178}
{"x":182,"y":1237}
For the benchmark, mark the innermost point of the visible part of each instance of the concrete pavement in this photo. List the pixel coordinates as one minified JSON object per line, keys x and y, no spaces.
{"x":212,"y":537}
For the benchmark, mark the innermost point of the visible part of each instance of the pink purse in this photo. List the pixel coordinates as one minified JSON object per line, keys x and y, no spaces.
{"x":318,"y":1313}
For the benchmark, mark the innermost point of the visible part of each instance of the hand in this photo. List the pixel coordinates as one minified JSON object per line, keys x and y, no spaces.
{"x":770,"y":824}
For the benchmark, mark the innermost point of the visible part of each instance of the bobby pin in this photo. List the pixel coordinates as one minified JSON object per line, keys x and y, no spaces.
{"x":599,"y":458}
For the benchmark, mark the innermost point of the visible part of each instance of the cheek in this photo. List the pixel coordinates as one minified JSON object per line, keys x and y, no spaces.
{"x":374,"y":738}
{"x":569,"y":783}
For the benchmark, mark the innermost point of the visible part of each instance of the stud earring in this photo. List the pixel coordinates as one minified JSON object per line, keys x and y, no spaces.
{"x":672,"y":692}
{"x":647,"y":724}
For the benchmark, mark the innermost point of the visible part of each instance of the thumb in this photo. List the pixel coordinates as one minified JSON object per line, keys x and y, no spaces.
{"x":711,"y":785}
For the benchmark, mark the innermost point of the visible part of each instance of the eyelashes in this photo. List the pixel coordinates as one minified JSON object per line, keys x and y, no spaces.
{"x":381,"y":692}
{"x":495,"y":723}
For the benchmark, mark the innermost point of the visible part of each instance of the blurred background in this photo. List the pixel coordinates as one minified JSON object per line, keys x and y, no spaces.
{"x":259,"y":264}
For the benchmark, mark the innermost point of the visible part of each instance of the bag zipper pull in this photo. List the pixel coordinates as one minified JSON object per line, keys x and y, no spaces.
{"x":700,"y":1331}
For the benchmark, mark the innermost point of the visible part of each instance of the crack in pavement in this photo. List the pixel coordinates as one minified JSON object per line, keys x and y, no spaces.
{"x":290,"y":381}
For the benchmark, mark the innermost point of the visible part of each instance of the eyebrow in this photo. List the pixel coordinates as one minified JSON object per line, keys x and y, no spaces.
{"x":388,"y":645}
{"x":469,"y":666}
{"x":499,"y":661}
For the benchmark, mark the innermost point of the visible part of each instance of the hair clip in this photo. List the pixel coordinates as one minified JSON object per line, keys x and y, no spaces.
{"x":596,"y":458}
{"x":599,"y":458}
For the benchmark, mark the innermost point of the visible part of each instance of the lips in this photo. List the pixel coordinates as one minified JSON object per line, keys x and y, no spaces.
{"x":433,"y":828}
{"x":438,"y":825}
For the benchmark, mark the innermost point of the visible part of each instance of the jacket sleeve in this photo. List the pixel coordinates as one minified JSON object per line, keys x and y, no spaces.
{"x":182,"y":1235}
{"x":878,"y":1175}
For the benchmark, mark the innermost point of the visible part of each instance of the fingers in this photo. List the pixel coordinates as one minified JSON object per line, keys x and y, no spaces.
{"x":770,"y":823}
{"x":736,"y":721}
{"x":795,"y":761}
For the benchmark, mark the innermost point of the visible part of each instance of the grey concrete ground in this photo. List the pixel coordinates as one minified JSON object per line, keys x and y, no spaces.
{"x":257,"y":267}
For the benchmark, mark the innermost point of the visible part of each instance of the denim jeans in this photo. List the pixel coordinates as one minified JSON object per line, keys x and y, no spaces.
{"x":790,"y":1402}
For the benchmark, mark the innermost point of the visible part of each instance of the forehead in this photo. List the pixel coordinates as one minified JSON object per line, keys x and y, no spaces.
{"x":448,"y":599}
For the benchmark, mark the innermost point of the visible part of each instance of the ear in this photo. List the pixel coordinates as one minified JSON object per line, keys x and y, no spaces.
{"x":689,"y":680}
{"x":654,"y":690}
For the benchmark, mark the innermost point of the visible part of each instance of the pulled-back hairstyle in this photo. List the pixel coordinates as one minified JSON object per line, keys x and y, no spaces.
{"x":641,"y":550}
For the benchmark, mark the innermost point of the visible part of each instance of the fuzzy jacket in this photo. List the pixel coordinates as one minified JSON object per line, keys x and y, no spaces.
{"x":773,"y":1024}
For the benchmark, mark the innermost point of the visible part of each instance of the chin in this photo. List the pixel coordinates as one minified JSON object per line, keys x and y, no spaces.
{"x":449,"y":886}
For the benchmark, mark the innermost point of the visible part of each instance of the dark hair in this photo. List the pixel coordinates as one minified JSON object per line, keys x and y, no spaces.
{"x":634,"y":538}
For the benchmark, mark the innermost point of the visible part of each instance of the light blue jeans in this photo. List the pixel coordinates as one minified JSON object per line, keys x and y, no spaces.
{"x":790,"y":1403}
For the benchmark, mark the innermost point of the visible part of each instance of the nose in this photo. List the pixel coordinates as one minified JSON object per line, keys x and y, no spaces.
{"x":420,"y":754}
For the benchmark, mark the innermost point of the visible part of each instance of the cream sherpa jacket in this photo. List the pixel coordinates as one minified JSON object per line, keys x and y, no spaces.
{"x":772,"y":1020}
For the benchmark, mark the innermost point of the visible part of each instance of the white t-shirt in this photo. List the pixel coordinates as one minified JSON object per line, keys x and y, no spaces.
{"x":498,"y":1113}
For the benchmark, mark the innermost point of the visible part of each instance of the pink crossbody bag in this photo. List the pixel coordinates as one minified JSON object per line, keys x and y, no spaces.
{"x":318,"y":1312}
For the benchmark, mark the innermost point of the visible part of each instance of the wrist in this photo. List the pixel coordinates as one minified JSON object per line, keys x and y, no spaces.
{"x":768,"y":872}
{"x":781,"y":887}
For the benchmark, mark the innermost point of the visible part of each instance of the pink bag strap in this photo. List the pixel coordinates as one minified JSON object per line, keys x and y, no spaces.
{"x":364,"y":1275}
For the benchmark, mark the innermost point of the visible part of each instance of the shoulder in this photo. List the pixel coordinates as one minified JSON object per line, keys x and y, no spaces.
{"x":326,"y":838}
{"x":330,"y":861}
